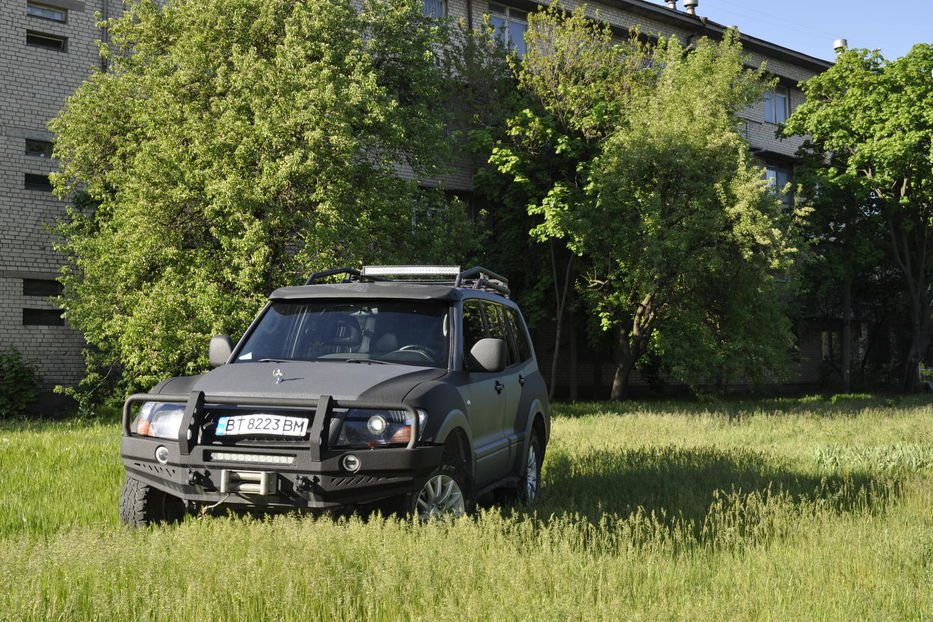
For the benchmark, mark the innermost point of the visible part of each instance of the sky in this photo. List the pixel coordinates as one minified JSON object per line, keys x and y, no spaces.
{"x":811,"y":26}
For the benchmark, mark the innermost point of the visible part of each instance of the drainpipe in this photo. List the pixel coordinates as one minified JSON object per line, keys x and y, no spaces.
{"x":469,"y":14}
{"x":104,"y":35}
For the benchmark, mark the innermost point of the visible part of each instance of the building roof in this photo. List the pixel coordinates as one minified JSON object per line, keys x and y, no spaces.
{"x":703,"y":26}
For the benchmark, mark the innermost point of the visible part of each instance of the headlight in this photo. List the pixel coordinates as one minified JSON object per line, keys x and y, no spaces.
{"x":159,"y":419}
{"x":377,"y":428}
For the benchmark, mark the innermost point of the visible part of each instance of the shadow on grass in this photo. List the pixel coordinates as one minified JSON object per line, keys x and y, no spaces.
{"x":705,"y":494}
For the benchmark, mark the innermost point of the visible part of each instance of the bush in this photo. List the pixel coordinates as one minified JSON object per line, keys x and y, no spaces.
{"x":19,"y":383}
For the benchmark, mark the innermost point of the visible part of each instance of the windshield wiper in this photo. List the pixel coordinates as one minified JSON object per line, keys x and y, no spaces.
{"x":273,"y":360}
{"x":368,"y":361}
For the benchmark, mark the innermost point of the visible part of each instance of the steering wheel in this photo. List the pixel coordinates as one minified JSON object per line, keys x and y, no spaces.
{"x":415,"y":348}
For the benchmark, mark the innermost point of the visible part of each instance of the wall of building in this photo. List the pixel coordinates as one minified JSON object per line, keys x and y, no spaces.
{"x":35,"y":83}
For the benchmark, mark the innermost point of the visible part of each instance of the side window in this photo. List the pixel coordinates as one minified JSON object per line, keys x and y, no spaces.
{"x":521,"y":336}
{"x":495,"y":316}
{"x":473,"y":329}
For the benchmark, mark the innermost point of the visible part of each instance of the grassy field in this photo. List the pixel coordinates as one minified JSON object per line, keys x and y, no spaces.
{"x":816,"y":509}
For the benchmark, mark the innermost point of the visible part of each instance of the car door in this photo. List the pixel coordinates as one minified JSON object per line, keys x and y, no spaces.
{"x":511,"y":379}
{"x":529,"y":376}
{"x":486,"y":402}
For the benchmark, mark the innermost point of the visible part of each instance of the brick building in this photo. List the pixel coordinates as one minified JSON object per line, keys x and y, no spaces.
{"x":47,"y":48}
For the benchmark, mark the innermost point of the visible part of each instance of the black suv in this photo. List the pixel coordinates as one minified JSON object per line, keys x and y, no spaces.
{"x":414,"y":383}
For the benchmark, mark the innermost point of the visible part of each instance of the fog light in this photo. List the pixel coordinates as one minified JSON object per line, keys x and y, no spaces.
{"x":161,"y":454}
{"x":350,"y":463}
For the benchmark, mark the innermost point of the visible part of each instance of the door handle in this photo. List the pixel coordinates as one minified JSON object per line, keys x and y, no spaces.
{"x":521,"y":380}
{"x":499,"y":387}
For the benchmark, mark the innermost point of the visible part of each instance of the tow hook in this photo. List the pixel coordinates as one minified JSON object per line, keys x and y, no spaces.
{"x":199,"y":478}
{"x":304,"y":483}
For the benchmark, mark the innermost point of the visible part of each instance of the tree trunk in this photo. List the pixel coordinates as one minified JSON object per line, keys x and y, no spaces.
{"x":574,"y":384}
{"x":846,"y":358}
{"x":911,"y":255}
{"x":919,"y":342}
{"x":620,"y":380}
{"x":560,"y":302}
{"x":633,"y":343}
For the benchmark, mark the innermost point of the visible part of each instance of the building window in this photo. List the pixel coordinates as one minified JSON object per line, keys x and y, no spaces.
{"x":37,"y":182}
{"x":47,"y":41}
{"x":38,"y":148}
{"x":43,"y":288}
{"x":43,"y":317}
{"x":435,"y":8}
{"x":53,"y":13}
{"x":510,"y":26}
{"x":777,"y":105}
{"x":778,"y":177}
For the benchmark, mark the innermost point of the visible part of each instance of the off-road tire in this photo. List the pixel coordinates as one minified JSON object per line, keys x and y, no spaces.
{"x":519,"y":493}
{"x":142,"y":505}
{"x":529,"y":483}
{"x":450,"y":470}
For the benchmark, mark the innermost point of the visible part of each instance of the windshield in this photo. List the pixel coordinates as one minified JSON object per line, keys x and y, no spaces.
{"x":405,"y":332}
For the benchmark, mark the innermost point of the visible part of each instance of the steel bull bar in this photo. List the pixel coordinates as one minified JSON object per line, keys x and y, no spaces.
{"x":262,"y":482}
{"x":320,"y":422}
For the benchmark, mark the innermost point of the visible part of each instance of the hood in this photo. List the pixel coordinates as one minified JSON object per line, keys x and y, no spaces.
{"x":304,"y":379}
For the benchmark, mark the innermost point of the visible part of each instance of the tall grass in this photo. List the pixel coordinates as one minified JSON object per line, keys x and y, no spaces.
{"x":775,"y":509}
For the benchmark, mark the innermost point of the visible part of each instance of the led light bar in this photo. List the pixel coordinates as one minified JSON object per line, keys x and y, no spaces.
{"x":227,"y":456}
{"x":410,"y":270}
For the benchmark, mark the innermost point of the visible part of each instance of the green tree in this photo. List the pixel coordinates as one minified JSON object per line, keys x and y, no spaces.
{"x":680,"y":241}
{"x":234,"y":146}
{"x":874,"y":117}
{"x":19,"y":384}
{"x":846,"y":276}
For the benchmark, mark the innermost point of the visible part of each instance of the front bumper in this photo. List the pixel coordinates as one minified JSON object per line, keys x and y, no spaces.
{"x":281,"y":476}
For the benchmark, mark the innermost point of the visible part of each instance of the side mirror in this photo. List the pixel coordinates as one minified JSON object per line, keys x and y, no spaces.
{"x":488,"y":355}
{"x":219,"y":350}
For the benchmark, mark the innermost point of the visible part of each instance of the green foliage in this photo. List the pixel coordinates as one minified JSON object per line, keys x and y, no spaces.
{"x":235,"y":146}
{"x":19,"y":384}
{"x":648,"y":181}
{"x":774,"y":509}
{"x":872,"y":116}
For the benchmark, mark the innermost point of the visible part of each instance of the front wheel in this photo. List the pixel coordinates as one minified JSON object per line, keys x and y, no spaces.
{"x":445,"y":494}
{"x":142,"y":505}
{"x":529,"y":485}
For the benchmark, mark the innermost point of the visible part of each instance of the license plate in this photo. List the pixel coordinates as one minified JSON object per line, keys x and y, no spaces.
{"x":274,"y":425}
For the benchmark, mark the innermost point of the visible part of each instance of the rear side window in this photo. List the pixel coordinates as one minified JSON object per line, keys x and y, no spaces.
{"x":495,"y":316}
{"x":517,"y":327}
{"x":488,"y":319}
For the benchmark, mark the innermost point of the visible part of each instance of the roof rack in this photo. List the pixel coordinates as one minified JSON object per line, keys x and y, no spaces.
{"x":474,"y":278}
{"x":350,"y":272}
{"x":484,"y":279}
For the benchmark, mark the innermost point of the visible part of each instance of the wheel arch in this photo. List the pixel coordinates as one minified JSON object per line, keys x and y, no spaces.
{"x":455,"y":434}
{"x":536,"y":423}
